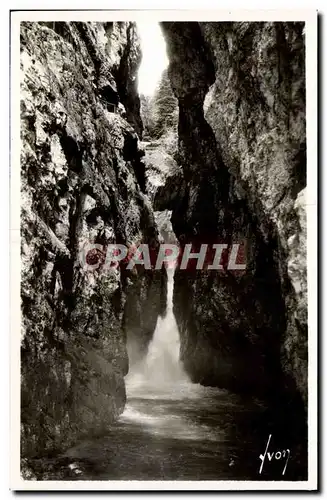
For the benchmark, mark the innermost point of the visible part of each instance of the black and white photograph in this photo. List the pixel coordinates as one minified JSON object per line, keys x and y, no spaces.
{"x":164,"y":174}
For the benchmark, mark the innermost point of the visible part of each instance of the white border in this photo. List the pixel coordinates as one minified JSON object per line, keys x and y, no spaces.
{"x":310,"y":18}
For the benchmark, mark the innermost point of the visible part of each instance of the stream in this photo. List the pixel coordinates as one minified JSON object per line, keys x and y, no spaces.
{"x":172,"y":429}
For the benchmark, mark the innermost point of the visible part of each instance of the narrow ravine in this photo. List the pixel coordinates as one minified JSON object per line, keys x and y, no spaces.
{"x":144,"y":373}
{"x":172,"y":429}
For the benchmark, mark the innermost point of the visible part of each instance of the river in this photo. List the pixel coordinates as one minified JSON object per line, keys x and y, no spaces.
{"x":172,"y":429}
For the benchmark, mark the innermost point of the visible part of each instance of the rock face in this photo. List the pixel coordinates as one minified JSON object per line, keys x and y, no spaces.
{"x":81,"y":182}
{"x":242,"y":144}
{"x":162,"y":174}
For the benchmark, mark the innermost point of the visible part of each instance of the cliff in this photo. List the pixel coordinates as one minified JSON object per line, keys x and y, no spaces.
{"x":242,"y":147}
{"x":82,"y":181}
{"x":239,"y":176}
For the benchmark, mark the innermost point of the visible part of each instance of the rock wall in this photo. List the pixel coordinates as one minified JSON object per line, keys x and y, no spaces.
{"x":80,"y":183}
{"x":242,"y":145}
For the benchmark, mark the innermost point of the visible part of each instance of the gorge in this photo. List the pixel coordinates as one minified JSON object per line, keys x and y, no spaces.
{"x":212,"y":362}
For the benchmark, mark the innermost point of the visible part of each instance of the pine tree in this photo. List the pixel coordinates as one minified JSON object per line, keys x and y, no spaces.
{"x":147,"y":116}
{"x":159,"y":112}
{"x":165,"y":106}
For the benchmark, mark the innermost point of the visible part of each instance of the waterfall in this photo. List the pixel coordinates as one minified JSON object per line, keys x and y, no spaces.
{"x":161,"y":368}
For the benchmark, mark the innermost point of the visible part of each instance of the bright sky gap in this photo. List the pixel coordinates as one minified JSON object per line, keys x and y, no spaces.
{"x":154,"y":56}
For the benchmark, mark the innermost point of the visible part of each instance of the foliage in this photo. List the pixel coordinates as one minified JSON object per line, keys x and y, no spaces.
{"x":159,"y":112}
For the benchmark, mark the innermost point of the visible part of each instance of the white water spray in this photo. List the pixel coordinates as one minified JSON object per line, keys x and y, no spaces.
{"x":157,"y":388}
{"x":161,"y":369}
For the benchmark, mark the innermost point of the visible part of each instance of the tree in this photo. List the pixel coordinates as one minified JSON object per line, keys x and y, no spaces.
{"x":160,"y":112}
{"x":165,"y":106}
{"x":147,"y":116}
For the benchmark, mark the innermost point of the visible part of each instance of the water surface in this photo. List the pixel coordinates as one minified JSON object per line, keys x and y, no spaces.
{"x":172,"y":429}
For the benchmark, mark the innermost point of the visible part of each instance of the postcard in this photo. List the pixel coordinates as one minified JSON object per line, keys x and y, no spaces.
{"x":163,"y":250}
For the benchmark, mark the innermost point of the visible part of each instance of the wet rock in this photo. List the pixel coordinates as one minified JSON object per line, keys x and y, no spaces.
{"x":79,"y":186}
{"x":241,"y":96}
